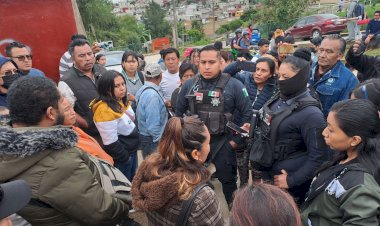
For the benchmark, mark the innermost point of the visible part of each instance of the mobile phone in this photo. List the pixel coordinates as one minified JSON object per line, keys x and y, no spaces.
{"x":237,"y":129}
{"x":246,"y":66}
{"x":286,"y":49}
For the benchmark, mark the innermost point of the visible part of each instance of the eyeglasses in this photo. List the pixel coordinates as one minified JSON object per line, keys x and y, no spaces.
{"x":22,"y":57}
{"x":10,"y":72}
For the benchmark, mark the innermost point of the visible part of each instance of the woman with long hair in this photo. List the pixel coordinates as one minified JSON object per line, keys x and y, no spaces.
{"x":114,"y":119}
{"x":264,"y":204}
{"x":346,"y":190}
{"x":194,"y":57}
{"x":168,"y":177}
{"x":261,"y":85}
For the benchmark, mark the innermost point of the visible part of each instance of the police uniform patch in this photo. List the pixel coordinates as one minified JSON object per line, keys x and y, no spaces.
{"x":198,"y":96}
{"x":215,"y":102}
{"x":245,"y":93}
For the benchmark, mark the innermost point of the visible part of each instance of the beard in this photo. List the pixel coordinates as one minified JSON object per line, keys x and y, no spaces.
{"x":60,"y":119}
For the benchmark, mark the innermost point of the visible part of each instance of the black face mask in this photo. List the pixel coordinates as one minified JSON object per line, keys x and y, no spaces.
{"x":9,"y":79}
{"x":295,"y":85}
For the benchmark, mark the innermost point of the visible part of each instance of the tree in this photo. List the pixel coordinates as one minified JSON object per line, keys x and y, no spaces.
{"x":249,"y":15}
{"x":281,"y":13}
{"x":153,"y":19}
{"x":97,"y":18}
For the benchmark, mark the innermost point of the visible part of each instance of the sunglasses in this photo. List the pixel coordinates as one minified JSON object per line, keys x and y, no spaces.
{"x":22,"y":57}
{"x":10,"y":72}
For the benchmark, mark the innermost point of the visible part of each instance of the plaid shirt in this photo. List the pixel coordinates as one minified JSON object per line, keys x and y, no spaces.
{"x":205,"y":211}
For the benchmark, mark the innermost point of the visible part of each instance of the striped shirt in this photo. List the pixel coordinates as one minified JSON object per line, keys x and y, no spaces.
{"x":65,"y":63}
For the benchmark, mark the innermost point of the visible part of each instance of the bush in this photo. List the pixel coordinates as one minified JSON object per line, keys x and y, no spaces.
{"x":195,"y":34}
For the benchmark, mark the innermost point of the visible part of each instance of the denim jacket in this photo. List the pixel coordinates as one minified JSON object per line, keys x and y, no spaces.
{"x":335,"y":85}
{"x":151,"y":111}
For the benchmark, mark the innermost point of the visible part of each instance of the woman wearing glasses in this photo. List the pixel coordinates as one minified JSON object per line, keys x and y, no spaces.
{"x":8,"y":74}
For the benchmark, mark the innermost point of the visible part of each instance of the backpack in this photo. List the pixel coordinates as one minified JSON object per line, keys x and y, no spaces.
{"x":358,"y":10}
{"x":111,"y":179}
{"x":232,"y":42}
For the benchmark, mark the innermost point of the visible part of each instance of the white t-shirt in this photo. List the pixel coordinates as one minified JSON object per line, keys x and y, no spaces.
{"x":169,"y":83}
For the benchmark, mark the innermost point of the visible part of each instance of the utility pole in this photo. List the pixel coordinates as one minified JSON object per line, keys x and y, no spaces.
{"x":174,"y":29}
{"x":213,"y":16}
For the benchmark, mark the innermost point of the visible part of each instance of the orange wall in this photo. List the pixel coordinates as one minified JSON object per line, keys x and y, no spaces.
{"x":44,"y":25}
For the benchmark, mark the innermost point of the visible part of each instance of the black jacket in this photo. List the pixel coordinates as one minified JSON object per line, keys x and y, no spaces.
{"x":368,"y":66}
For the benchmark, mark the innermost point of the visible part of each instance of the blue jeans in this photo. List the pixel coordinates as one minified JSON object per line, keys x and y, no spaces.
{"x":147,"y":145}
{"x":129,"y":168}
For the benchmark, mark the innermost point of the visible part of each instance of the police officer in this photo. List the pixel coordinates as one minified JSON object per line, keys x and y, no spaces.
{"x":286,"y":147}
{"x":214,"y":97}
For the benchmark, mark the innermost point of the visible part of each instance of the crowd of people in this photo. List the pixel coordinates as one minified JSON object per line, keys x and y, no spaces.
{"x":301,"y":125}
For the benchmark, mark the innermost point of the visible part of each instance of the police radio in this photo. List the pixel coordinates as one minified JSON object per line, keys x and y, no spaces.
{"x":255,"y":114}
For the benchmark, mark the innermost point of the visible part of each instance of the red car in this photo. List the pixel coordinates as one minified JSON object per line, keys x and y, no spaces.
{"x":316,"y":26}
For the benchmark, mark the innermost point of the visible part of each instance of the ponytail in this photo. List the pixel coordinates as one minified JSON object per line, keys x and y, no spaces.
{"x":179,"y":139}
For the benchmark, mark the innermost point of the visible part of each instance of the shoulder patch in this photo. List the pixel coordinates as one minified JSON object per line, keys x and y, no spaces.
{"x":245,"y":93}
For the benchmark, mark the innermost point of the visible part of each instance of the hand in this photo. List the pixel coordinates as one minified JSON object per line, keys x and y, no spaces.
{"x":368,"y":39}
{"x":246,"y":127}
{"x":95,"y":47}
{"x":280,"y":180}
{"x":355,"y":46}
{"x":233,"y":144}
{"x":168,"y":103}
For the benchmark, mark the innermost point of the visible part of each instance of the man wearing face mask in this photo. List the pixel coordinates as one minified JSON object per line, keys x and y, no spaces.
{"x":8,"y":74}
{"x":286,"y":150}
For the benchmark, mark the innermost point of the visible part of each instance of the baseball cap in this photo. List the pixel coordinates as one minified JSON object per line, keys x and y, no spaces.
{"x":14,"y":196}
{"x":152,"y":70}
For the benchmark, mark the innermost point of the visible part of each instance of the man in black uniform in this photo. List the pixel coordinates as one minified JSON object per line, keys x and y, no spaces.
{"x":214,"y":97}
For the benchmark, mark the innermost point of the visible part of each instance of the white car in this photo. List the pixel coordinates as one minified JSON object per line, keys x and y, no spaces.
{"x":113,"y":60}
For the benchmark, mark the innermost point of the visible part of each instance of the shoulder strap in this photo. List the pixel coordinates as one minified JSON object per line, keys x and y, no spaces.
{"x":195,"y":82}
{"x":167,"y":110}
{"x":222,"y":82}
{"x":141,"y":77}
{"x":186,"y":206}
{"x":238,"y":41}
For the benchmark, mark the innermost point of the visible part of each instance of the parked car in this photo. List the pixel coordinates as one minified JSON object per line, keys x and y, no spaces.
{"x":256,"y":36}
{"x":113,"y":60}
{"x":316,"y":26}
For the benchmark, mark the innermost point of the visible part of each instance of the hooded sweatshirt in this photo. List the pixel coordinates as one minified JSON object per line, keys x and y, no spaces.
{"x":58,"y":173}
{"x":158,"y":196}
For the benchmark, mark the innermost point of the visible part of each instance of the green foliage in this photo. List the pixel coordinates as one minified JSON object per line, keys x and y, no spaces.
{"x":221,"y":30}
{"x":230,"y":27}
{"x":154,"y":21}
{"x":124,"y":31}
{"x":195,"y":34}
{"x":235,"y":24}
{"x":202,"y":42}
{"x":249,"y":15}
{"x":97,"y":18}
{"x":282,"y":13}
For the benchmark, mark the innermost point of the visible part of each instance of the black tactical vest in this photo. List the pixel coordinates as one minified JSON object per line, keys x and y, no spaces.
{"x":265,"y":148}
{"x":209,"y":104}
